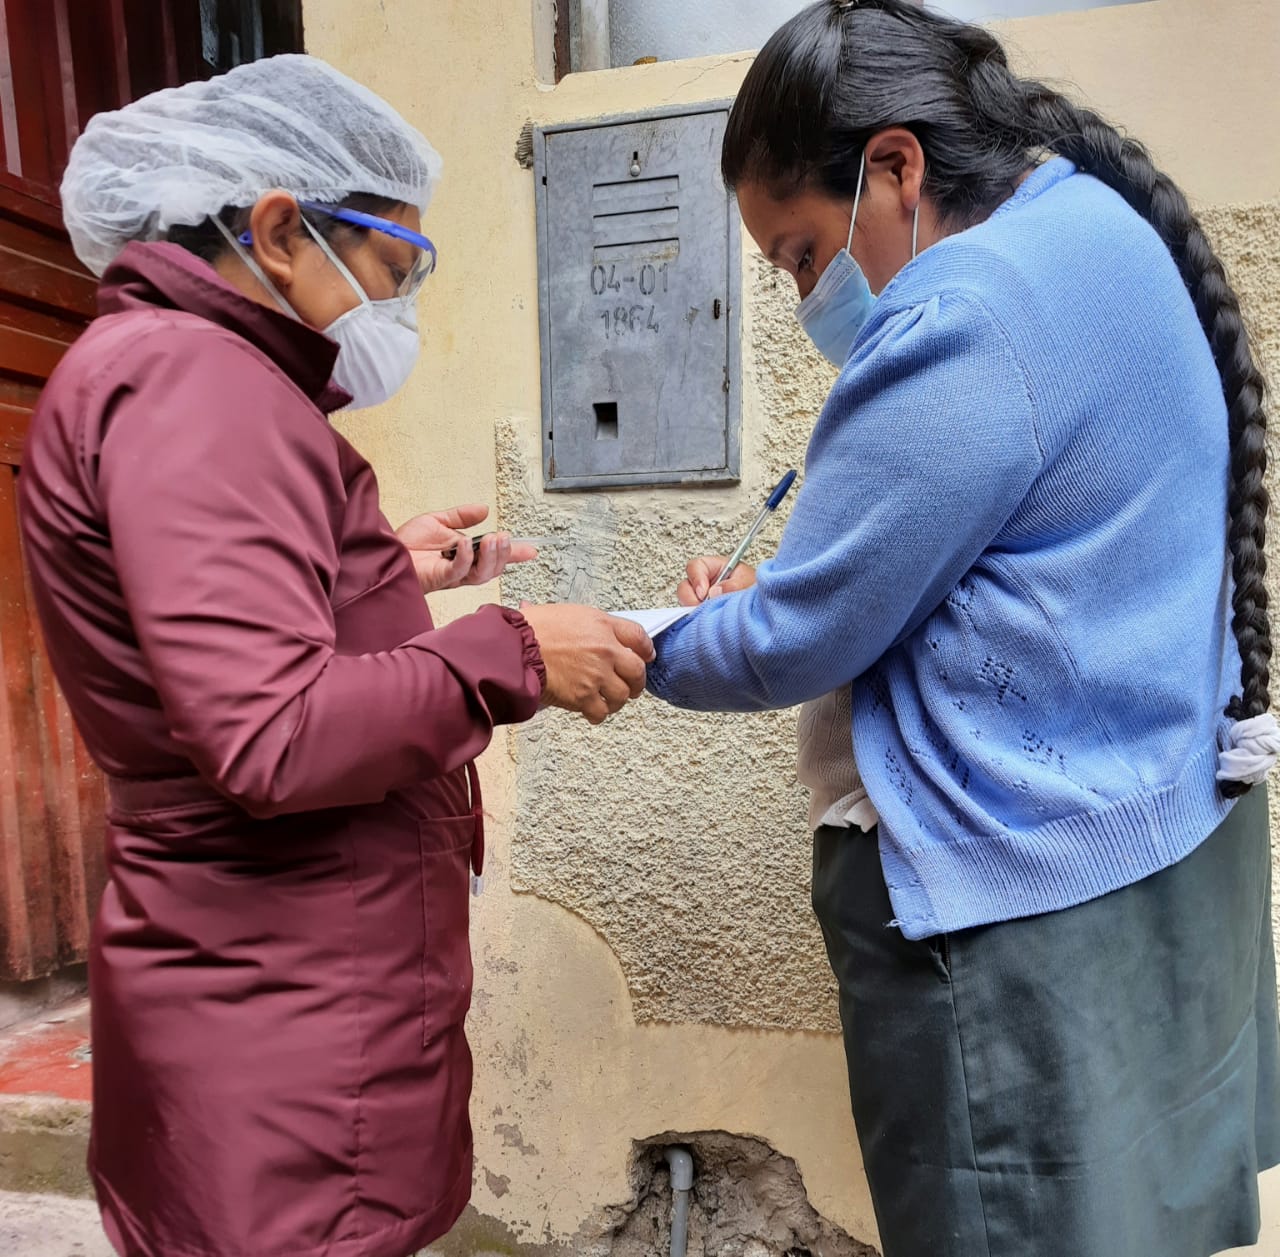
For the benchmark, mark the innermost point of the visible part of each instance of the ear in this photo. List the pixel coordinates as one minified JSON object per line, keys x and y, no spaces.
{"x":278,"y":236}
{"x":894,"y":155}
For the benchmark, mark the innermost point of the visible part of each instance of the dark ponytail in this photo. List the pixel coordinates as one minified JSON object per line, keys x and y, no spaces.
{"x":842,"y":70}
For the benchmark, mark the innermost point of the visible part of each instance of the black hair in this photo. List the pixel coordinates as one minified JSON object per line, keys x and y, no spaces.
{"x":842,"y":70}
{"x":209,"y":244}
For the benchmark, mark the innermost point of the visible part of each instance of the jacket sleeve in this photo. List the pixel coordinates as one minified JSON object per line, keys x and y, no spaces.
{"x":924,"y":450}
{"x":222,"y":491}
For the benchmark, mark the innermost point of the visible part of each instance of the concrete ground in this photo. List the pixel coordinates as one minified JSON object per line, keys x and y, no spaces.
{"x":54,"y":1226}
{"x":50,"y":1226}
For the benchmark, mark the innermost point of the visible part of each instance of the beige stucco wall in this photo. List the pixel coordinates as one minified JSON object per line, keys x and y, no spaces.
{"x":645,"y":956}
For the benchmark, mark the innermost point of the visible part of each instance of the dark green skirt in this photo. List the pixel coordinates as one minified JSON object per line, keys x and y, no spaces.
{"x":1097,"y":1082}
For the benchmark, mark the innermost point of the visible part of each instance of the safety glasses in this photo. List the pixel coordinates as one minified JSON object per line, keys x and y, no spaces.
{"x":425,"y":259}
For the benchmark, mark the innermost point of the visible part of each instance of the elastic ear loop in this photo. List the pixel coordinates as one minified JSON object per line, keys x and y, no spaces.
{"x":343,"y":269}
{"x":408,"y":316}
{"x":857,"y":198}
{"x":258,"y":273}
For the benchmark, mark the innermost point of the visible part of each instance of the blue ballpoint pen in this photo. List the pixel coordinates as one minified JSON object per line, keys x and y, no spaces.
{"x":780,"y":491}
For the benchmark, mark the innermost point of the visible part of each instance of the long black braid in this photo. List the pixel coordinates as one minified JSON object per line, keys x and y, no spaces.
{"x":842,"y":70}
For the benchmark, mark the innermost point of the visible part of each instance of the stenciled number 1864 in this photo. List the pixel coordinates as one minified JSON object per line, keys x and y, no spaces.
{"x":623,"y":320}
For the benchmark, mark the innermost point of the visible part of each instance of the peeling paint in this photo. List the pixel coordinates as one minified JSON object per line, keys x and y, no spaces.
{"x":747,"y":1201}
{"x":512,"y":1138}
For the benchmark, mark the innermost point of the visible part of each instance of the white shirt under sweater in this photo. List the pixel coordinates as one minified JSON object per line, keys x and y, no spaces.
{"x":825,"y":764}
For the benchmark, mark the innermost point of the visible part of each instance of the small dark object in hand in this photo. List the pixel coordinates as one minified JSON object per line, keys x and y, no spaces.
{"x":475,"y":548}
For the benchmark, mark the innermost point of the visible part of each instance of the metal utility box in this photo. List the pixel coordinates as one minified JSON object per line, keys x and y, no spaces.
{"x":639,"y":277}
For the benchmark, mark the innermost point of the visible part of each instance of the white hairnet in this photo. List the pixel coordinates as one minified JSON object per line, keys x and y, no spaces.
{"x":179,"y":156}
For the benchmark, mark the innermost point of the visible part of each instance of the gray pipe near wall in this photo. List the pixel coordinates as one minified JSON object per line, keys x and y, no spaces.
{"x":680,"y":1161}
{"x":593,"y":23}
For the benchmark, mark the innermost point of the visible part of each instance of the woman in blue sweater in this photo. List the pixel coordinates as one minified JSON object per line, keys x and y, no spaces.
{"x":1024,"y":582}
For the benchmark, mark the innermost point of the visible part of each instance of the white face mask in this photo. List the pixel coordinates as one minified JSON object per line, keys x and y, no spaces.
{"x":377,"y":341}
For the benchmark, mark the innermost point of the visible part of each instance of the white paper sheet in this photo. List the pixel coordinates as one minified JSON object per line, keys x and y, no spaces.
{"x":655,"y":620}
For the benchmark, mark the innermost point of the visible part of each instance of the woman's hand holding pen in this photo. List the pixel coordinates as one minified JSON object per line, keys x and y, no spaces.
{"x":713,"y":575}
{"x":702,"y":572}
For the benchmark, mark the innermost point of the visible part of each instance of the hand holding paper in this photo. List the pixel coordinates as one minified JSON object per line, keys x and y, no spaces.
{"x":594,"y":663}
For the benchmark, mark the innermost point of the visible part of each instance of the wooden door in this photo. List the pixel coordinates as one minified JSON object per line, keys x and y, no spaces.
{"x":62,"y":61}
{"x":51,"y":827}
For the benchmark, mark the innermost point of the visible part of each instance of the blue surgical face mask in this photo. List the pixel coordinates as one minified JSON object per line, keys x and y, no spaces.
{"x":841,"y":302}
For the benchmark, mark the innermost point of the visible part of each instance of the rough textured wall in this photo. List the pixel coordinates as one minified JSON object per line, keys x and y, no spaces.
{"x":680,"y":837}
{"x":1248,"y":240}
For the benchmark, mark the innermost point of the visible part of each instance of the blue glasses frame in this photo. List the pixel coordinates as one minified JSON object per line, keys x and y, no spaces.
{"x":371,"y":221}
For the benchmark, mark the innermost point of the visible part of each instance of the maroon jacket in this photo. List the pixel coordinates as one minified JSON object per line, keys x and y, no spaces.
{"x":281,"y":968}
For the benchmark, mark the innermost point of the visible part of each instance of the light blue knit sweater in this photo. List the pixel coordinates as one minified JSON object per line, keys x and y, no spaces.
{"x":1011,"y":541}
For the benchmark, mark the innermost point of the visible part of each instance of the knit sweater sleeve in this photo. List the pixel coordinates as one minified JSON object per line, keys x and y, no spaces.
{"x":926,"y":446}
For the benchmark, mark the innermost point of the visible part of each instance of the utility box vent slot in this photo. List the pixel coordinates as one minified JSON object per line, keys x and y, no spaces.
{"x":639,"y":269}
{"x":606,"y":421}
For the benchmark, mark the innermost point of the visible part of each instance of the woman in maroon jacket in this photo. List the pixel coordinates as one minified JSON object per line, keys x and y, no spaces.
{"x":280,"y":968}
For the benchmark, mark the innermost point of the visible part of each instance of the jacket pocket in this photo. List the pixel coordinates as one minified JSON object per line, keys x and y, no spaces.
{"x":445,"y":847}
